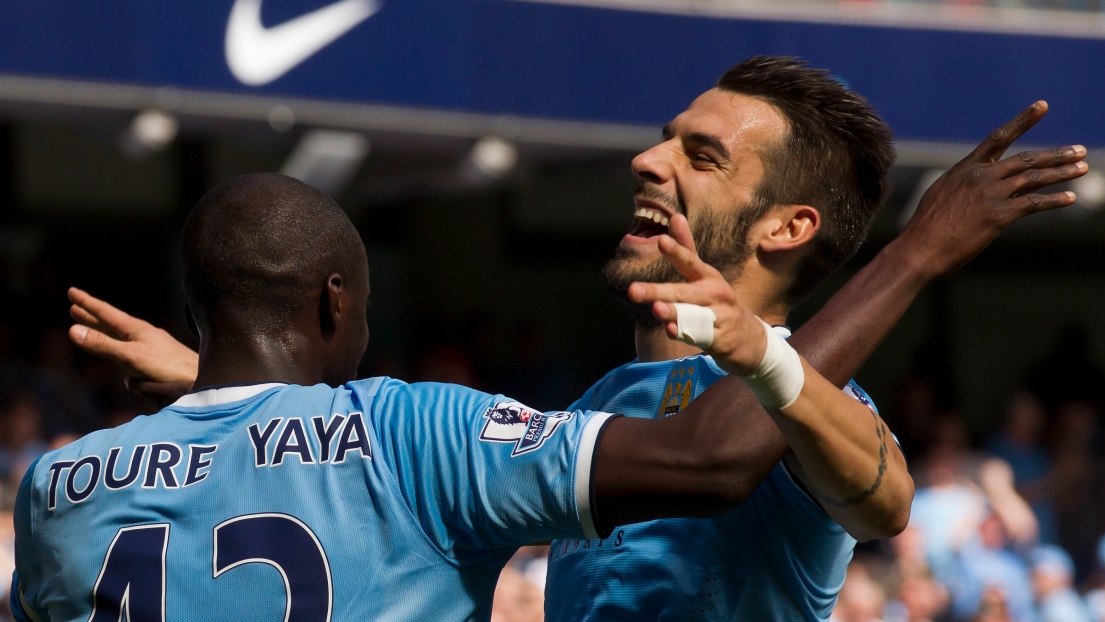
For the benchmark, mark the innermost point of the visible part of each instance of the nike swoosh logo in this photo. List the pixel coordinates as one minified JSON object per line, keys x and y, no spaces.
{"x":257,"y":55}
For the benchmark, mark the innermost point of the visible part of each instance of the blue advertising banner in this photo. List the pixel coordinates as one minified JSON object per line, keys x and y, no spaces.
{"x":605,"y":64}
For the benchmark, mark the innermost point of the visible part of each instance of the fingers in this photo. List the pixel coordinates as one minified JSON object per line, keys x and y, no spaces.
{"x":81,"y":316}
{"x":991,"y":149}
{"x":1034,"y":179}
{"x":687,"y":262}
{"x":664,"y":312}
{"x":669,"y":315}
{"x":680,"y":230}
{"x":95,"y":342}
{"x":120,"y":322}
{"x":684,"y":259}
{"x":1027,"y":160}
{"x":671,"y":292}
{"x":1031,"y":203}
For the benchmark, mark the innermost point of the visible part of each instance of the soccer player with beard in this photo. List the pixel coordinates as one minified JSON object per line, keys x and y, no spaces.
{"x":726,"y":154}
{"x":779,"y":170}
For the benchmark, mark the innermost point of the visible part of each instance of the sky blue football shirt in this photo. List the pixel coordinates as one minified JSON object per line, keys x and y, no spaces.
{"x":378,"y":500}
{"x":778,"y":556}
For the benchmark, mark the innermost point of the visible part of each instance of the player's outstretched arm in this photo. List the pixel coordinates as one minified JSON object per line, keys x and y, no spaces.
{"x":844,"y":450}
{"x":965,"y":210}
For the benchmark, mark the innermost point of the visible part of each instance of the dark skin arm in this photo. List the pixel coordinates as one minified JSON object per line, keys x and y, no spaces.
{"x":714,"y":453}
{"x":644,"y":470}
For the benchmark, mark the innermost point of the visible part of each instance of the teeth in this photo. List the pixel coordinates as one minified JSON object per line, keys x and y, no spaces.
{"x":655,"y":217}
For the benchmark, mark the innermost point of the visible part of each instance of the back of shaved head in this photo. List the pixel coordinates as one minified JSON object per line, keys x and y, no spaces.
{"x":259,"y":247}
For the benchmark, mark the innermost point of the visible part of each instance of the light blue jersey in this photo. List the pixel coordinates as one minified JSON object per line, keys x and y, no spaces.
{"x":778,"y":556}
{"x":378,"y":500}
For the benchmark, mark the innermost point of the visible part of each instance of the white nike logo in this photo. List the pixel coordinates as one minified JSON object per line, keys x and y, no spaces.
{"x":257,"y":55}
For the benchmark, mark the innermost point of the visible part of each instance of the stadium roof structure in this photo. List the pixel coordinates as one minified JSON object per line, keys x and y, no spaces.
{"x":591,"y":74}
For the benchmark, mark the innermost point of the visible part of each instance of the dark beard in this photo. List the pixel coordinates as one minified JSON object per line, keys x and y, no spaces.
{"x":721,"y":241}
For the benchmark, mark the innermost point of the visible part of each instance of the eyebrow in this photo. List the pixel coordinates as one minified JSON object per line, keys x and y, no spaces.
{"x":708,"y":140}
{"x":712,"y":142}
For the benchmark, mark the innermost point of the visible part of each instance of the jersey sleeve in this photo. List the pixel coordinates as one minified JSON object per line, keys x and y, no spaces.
{"x":484,"y":474}
{"x":28,"y":575}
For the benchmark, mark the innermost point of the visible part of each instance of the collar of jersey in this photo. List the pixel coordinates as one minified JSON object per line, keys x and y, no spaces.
{"x":224,"y":394}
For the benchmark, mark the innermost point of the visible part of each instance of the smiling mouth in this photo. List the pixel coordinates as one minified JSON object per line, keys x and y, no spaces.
{"x":649,"y":223}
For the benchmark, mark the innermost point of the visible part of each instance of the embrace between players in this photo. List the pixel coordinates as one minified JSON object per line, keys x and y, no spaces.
{"x":730,"y":484}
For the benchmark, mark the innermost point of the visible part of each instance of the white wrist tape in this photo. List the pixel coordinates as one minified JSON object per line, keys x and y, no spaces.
{"x":695,"y":324}
{"x":779,"y":377}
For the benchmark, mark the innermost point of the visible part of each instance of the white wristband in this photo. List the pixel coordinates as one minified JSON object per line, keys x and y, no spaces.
{"x":777,"y":380}
{"x":695,"y":324}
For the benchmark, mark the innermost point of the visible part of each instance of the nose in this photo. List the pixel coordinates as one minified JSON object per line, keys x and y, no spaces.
{"x":653,"y":165}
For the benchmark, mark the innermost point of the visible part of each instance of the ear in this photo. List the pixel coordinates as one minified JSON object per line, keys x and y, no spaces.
{"x":789,"y":227}
{"x":330,"y":304}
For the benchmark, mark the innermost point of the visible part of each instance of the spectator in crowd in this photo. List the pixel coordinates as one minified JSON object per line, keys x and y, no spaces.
{"x":1075,"y":480}
{"x":1095,"y":586}
{"x":990,"y":568}
{"x":1019,"y":442}
{"x":861,"y":599}
{"x":516,"y":598}
{"x":946,"y":506}
{"x":1053,"y":587}
{"x":7,"y":561}
{"x":917,"y":595}
{"x":993,"y":607}
{"x":21,"y":438}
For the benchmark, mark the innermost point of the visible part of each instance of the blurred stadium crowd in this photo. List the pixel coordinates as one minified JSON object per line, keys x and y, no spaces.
{"x":1007,"y":523}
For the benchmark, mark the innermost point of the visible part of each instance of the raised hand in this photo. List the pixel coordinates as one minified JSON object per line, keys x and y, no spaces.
{"x":739,"y":340}
{"x":975,"y":200}
{"x":158,"y":366}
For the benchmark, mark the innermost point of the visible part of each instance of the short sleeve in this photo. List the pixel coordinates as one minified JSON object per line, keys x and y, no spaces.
{"x":484,"y":474}
{"x":27,"y":576}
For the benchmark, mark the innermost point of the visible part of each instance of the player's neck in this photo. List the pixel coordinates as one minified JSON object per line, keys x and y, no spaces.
{"x":256,"y":360}
{"x":653,"y":344}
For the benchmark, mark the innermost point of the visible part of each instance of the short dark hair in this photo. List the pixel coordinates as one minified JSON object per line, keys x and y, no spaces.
{"x":257,"y":247}
{"x":834,"y":157}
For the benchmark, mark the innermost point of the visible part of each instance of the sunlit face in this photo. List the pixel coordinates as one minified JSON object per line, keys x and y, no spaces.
{"x":708,"y":168}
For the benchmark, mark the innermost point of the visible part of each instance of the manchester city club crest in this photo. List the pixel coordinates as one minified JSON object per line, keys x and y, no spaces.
{"x":679,"y":391}
{"x":512,"y":422}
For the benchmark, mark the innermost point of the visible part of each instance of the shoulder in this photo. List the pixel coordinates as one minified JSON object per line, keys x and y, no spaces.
{"x":395,"y":404}
{"x":597,"y":393}
{"x":101,"y":441}
{"x":440,"y":395}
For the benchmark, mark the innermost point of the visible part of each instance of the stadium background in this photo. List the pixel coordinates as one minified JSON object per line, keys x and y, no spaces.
{"x":482,"y":148}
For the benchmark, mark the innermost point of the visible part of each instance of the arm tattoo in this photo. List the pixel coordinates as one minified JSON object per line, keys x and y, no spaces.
{"x":882,"y":432}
